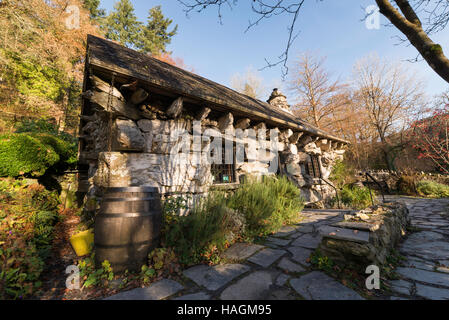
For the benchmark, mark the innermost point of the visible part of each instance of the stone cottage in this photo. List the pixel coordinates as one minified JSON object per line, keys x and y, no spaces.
{"x":132,"y":105}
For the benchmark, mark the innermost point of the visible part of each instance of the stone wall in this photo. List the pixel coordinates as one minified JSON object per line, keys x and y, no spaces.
{"x":146,"y":142}
{"x":365,"y":237}
{"x":389,"y":179}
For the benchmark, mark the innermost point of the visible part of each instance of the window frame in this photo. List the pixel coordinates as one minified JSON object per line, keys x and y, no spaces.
{"x":225,"y":167}
{"x":313,"y":167}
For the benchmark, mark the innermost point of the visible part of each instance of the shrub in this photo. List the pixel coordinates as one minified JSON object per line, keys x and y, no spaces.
{"x":432,"y":189}
{"x":256,"y":208}
{"x":33,"y":154}
{"x":22,"y":154}
{"x":43,"y":126}
{"x":28,"y":214}
{"x":36,"y":126}
{"x":66,"y":151}
{"x":202,"y":233}
{"x":341,"y":174}
{"x":406,"y":185}
{"x":267,"y":204}
{"x":356,"y":197}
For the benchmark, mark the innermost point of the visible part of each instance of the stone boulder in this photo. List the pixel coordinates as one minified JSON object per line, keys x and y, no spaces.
{"x":365,"y":237}
{"x":128,"y":137}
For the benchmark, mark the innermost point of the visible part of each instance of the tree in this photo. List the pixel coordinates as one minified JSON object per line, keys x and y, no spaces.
{"x":122,"y":25}
{"x":41,"y":59}
{"x":430,"y":136}
{"x":401,"y":13}
{"x":96,"y":13}
{"x":249,"y":83}
{"x":319,"y":98}
{"x":388,"y":94}
{"x":155,"y":34}
{"x":404,"y":17}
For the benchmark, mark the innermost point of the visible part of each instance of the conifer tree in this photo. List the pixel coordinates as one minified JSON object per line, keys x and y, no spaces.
{"x":155,"y":36}
{"x":96,"y":13}
{"x":122,"y":25}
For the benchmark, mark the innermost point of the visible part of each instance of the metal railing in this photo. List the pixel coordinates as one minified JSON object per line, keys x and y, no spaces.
{"x":367,"y":175}
{"x":335,"y":188}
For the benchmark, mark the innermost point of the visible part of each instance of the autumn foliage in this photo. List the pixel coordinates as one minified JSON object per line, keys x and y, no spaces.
{"x":430,"y":137}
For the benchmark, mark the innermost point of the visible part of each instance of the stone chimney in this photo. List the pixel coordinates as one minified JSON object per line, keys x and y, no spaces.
{"x":278,"y":100}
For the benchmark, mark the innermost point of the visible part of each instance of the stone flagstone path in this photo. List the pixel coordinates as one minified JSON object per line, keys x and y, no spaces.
{"x":279,"y":270}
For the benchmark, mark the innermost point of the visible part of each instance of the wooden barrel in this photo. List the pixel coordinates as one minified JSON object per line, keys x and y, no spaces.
{"x":127,"y":227}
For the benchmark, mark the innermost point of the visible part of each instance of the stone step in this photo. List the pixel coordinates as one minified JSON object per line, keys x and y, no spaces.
{"x":344,"y":234}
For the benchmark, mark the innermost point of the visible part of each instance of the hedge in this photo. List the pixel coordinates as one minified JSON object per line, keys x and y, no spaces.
{"x":32,"y":154}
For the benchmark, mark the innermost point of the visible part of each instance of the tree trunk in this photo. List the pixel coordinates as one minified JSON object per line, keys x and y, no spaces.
{"x":410,"y":25}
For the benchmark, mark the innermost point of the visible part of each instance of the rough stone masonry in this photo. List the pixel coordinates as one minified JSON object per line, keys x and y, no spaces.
{"x":127,"y":127}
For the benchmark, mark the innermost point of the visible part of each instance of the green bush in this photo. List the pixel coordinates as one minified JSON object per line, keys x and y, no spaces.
{"x":66,"y":151}
{"x":256,"y":208}
{"x":202,"y":233}
{"x":356,"y":197}
{"x":341,"y":174}
{"x":267,"y":204}
{"x":43,"y":126}
{"x":22,"y":154}
{"x":32,"y":154}
{"x":432,"y":189}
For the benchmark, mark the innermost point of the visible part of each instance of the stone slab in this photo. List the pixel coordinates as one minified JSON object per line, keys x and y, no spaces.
{"x":195,"y":296}
{"x":289,"y":266}
{"x":278,"y":241}
{"x":300,"y":255}
{"x":309,"y":241}
{"x":420,"y":264}
{"x":318,"y":286}
{"x":435,"y":278}
{"x":241,"y":251}
{"x":213,"y":278}
{"x":281,"y":294}
{"x":156,"y":291}
{"x":356,"y":225}
{"x":401,"y":286}
{"x":306,"y":228}
{"x":282,"y":279}
{"x":255,"y":286}
{"x":435,"y":250}
{"x":344,"y":234}
{"x":424,"y":236}
{"x":285,"y":231}
{"x":266,"y":257}
{"x":431,"y":292}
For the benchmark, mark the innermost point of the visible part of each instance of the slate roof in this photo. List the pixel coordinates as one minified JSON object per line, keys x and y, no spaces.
{"x":109,"y":56}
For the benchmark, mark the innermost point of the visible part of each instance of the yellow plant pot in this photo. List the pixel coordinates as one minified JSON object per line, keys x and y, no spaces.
{"x":82,"y":242}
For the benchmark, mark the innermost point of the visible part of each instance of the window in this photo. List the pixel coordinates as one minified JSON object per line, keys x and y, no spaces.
{"x":313,"y":167}
{"x":224,"y":173}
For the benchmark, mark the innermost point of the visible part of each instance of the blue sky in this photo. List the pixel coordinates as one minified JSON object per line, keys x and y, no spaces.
{"x":330,"y":28}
